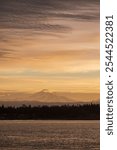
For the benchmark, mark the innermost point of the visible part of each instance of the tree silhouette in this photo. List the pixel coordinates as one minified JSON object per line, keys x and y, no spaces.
{"x":63,"y":112}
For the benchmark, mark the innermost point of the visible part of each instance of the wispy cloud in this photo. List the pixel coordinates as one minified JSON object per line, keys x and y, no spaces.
{"x":42,"y":14}
{"x":40,"y":74}
{"x":5,"y":53}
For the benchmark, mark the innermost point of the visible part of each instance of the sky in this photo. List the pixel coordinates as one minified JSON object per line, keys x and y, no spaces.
{"x":49,"y":44}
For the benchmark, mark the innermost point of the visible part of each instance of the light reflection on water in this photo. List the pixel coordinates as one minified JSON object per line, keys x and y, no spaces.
{"x":49,"y":135}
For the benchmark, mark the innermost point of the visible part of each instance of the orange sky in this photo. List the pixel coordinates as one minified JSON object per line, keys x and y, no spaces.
{"x":52,"y":46}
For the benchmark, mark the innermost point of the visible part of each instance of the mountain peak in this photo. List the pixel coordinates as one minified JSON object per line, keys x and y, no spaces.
{"x":44,"y":90}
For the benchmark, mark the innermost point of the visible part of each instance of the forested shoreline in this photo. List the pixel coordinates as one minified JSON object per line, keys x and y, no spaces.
{"x":54,"y":112}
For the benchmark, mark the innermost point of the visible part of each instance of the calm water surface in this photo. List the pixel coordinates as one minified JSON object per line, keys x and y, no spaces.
{"x":49,"y":135}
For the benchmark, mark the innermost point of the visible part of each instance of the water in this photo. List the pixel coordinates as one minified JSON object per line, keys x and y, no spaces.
{"x":49,"y":135}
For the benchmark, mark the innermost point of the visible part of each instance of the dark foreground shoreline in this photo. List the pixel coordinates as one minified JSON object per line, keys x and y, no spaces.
{"x":55,"y":112}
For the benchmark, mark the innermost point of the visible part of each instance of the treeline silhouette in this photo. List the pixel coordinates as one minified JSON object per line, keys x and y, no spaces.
{"x":54,"y":112}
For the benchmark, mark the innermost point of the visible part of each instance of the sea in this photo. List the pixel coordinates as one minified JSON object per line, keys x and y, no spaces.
{"x":49,"y":135}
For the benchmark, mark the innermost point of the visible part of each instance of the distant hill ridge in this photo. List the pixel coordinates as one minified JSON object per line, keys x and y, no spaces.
{"x":46,"y":97}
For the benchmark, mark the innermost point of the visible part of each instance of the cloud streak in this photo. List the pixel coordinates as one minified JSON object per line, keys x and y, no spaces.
{"x":5,"y":53}
{"x":35,"y":73}
{"x":42,"y":14}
